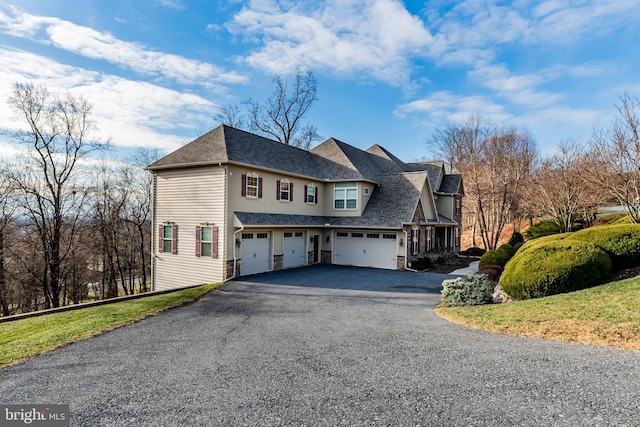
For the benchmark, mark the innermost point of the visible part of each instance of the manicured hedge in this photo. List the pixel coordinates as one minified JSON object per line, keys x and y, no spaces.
{"x":621,"y":242}
{"x":498,"y":256}
{"x":554,"y":265}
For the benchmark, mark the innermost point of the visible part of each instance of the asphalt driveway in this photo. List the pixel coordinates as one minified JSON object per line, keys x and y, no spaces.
{"x":331,"y":346}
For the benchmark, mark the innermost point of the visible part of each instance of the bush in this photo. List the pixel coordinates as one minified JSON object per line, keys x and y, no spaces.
{"x":544,"y":228}
{"x":422,"y":263}
{"x":620,"y":242}
{"x":473,"y":251}
{"x":493,"y":271}
{"x":516,"y":238}
{"x":554,"y":266}
{"x":498,"y":256}
{"x":472,"y":289}
{"x":508,"y":249}
{"x":518,"y":246}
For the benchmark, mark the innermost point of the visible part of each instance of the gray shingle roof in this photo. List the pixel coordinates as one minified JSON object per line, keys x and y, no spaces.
{"x":392,"y":202}
{"x":451,"y":184}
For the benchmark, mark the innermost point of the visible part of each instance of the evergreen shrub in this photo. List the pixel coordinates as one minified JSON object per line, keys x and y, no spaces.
{"x":472,"y":289}
{"x":498,"y":256}
{"x":621,"y":242}
{"x":554,"y":266}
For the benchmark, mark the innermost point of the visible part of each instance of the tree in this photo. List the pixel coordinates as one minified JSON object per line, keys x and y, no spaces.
{"x":494,"y":163}
{"x":58,"y":135}
{"x":280,"y":117}
{"x":7,"y":212}
{"x":617,"y":151}
{"x":560,"y":187}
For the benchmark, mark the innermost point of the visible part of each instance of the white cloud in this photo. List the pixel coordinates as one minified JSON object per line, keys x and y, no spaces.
{"x":374,"y":37}
{"x":90,"y":43}
{"x":132,"y":113}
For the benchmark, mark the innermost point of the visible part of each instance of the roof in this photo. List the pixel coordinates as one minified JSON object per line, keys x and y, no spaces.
{"x":393,"y":201}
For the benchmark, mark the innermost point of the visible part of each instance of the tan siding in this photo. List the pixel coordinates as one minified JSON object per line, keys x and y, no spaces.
{"x":188,"y":198}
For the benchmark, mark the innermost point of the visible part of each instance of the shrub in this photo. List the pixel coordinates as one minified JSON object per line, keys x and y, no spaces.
{"x":472,"y":289}
{"x":422,"y":263}
{"x":516,"y":238}
{"x":544,"y":228}
{"x":621,"y":242}
{"x":517,"y":246}
{"x":508,"y":249}
{"x":553,"y":267}
{"x":493,"y":271}
{"x":498,"y":256}
{"x":473,"y":251}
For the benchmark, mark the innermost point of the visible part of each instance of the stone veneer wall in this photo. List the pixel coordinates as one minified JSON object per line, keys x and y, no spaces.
{"x":400,"y":262}
{"x":278,"y":262}
{"x":325,"y":257}
{"x":310,"y":257}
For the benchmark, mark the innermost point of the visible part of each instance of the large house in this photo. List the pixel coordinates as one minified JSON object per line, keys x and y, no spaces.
{"x":232,"y":203}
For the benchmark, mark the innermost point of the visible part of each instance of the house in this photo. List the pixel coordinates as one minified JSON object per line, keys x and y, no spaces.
{"x":231,"y":203}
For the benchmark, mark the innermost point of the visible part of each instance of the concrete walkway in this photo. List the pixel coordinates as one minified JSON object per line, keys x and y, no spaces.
{"x":472,"y":268}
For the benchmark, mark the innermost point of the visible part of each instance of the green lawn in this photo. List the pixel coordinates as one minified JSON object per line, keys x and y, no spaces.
{"x":21,"y":339}
{"x":607,"y":315}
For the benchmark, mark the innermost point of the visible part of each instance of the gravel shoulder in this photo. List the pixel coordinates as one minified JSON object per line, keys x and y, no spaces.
{"x":327,"y":346}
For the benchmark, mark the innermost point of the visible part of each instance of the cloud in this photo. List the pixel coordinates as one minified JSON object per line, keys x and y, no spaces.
{"x":93,"y":44}
{"x":132,"y":113}
{"x":172,"y":4}
{"x":374,"y":37}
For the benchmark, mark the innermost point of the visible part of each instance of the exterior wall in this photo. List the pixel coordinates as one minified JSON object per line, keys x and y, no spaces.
{"x":188,"y":198}
{"x":446,"y":206}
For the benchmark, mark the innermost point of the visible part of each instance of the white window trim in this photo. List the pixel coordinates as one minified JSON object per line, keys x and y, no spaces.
{"x":415,"y":241}
{"x":255,"y":176}
{"x":315,"y":189}
{"x":351,"y":186}
{"x":204,"y":242}
{"x":285,"y":183}
{"x":167,"y":239}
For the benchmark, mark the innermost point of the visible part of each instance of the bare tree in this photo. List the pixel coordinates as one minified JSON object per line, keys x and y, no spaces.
{"x":560,"y":187}
{"x":617,"y":150}
{"x":494,"y":164}
{"x":230,"y":115}
{"x":281,"y":115}
{"x":7,"y":216}
{"x":58,"y":135}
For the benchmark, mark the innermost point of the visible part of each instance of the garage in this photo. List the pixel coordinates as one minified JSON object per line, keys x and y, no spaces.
{"x":365,"y":249}
{"x":256,"y":253}
{"x":293,"y":248}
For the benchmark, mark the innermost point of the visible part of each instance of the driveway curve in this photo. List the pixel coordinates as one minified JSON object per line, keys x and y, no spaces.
{"x":326,"y":345}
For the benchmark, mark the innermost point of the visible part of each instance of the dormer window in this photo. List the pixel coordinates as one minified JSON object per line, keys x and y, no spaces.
{"x":345,"y":196}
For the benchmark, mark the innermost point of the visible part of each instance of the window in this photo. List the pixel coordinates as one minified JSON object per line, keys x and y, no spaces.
{"x":262,"y":235}
{"x":310,"y":191}
{"x":415,"y":241}
{"x":373,"y":236}
{"x":345,"y":196}
{"x":365,"y":191}
{"x":458,"y":207}
{"x":389,"y":236}
{"x":288,"y":234}
{"x":207,"y":241}
{"x":428,"y":242}
{"x":284,"y":190}
{"x":168,"y":239}
{"x":251,"y":186}
{"x":357,"y":235}
{"x":342,"y":234}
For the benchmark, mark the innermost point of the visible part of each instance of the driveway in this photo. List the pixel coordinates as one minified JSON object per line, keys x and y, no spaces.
{"x":332,"y":346}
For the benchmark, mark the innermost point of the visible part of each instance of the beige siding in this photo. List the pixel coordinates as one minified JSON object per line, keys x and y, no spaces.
{"x":445,"y":206}
{"x":189,"y":198}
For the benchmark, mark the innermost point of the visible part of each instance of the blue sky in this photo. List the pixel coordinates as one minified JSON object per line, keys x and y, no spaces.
{"x":389,"y":72}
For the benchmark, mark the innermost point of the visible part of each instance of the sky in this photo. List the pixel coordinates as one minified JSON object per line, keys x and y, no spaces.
{"x":388,"y":72}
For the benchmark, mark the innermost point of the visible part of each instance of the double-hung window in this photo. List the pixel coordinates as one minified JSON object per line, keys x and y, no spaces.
{"x":311,"y":194}
{"x":284,"y":190}
{"x":251,"y":186}
{"x":345,"y":196}
{"x":415,"y":241}
{"x":207,"y":241}
{"x":168,"y":238}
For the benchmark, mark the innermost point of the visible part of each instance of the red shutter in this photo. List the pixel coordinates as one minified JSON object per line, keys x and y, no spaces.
{"x":160,"y":236}
{"x":260,"y":188}
{"x":214,"y":242}
{"x":291,"y":191}
{"x":174,"y":246}
{"x":244,"y":185}
{"x":278,"y":190}
{"x":197,"y":240}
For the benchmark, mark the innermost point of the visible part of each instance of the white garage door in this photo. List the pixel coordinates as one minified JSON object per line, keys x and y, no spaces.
{"x":294,"y":253}
{"x":256,"y":253}
{"x":365,"y":249}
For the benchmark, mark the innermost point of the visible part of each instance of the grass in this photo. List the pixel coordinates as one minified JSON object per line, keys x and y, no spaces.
{"x":605,"y":315}
{"x":24,"y":338}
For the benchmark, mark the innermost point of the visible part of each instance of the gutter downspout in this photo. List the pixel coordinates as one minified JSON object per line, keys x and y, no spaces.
{"x":235,"y":260}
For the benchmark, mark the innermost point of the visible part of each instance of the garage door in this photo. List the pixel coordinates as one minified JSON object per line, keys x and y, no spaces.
{"x":294,"y":253}
{"x":256,"y":253}
{"x":365,"y":249}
